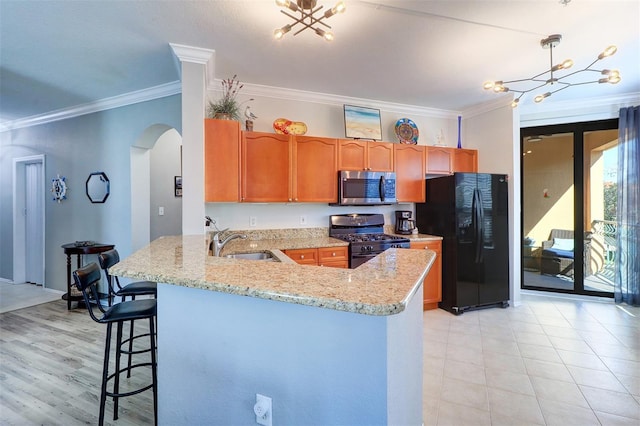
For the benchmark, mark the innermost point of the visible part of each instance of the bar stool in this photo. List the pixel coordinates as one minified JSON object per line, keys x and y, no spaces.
{"x":108,"y":259}
{"x":87,"y":279}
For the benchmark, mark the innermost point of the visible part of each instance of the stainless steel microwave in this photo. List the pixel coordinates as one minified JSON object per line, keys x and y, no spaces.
{"x":366,"y":188}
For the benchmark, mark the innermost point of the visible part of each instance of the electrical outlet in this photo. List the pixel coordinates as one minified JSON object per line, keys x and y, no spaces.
{"x":160,"y":211}
{"x":253,"y":221}
{"x":262,"y":410}
{"x":303,"y":220}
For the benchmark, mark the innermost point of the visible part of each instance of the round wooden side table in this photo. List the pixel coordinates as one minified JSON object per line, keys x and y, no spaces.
{"x":79,"y":248}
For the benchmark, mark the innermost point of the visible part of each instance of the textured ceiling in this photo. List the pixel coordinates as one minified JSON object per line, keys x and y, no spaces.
{"x":57,"y":54}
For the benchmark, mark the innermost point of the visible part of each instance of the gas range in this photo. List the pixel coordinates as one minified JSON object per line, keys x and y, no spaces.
{"x":365,"y":234}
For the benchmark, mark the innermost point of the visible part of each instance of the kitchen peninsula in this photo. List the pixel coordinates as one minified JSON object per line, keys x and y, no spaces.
{"x":328,"y":345}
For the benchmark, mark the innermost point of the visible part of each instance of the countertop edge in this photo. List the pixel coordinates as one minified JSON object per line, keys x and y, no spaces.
{"x":185,"y":276}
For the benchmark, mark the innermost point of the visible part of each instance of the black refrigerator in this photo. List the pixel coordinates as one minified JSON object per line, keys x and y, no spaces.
{"x":470,"y":211}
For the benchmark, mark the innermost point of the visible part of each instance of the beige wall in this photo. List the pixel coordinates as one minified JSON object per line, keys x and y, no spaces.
{"x":547,"y":168}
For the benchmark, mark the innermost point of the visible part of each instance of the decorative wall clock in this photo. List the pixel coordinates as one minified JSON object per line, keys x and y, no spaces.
{"x":59,"y":188}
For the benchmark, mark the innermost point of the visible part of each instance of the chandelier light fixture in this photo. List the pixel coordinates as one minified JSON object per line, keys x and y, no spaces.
{"x":606,"y":75}
{"x":307,"y":9}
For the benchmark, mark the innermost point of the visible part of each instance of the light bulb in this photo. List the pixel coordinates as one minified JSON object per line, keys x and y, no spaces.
{"x":340,"y":7}
{"x":488,"y":85}
{"x":608,"y":52}
{"x":282,"y":3}
{"x":327,"y":35}
{"x":514,"y":103}
{"x":280,"y":32}
{"x":540,"y":98}
{"x":568,"y":63}
{"x":614,"y":79}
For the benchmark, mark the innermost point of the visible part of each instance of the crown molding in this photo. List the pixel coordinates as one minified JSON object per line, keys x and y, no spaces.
{"x":488,"y":106}
{"x":337,"y":100}
{"x":588,"y":109}
{"x":151,"y":93}
{"x":196,"y":55}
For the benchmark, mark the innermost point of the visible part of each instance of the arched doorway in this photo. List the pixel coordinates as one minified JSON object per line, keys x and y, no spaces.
{"x":142,"y":161}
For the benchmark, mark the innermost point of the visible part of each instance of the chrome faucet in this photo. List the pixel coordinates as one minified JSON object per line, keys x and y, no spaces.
{"x":219,"y":245}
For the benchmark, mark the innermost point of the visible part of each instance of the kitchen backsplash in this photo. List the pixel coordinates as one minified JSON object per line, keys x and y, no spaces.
{"x":273,"y":234}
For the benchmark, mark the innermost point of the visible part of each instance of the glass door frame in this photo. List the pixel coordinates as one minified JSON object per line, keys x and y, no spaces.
{"x":578,"y":130}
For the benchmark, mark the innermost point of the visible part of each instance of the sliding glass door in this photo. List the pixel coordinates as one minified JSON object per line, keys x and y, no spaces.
{"x":568,"y":202}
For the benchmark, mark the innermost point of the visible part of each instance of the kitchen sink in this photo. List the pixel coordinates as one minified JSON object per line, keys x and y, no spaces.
{"x":252,"y":256}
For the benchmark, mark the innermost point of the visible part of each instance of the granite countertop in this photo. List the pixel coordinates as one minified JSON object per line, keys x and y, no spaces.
{"x":421,"y":237}
{"x":278,"y":244}
{"x":382,"y":286}
{"x":389,"y":229}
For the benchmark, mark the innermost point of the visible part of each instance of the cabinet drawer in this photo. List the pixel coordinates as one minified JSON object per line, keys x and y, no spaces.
{"x":303,"y":256}
{"x":330,"y":254}
{"x":432,"y":245}
{"x":335,"y":264}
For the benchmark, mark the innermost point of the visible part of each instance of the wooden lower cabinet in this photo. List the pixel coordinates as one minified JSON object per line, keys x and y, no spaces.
{"x":334,"y":257}
{"x":433,"y":281}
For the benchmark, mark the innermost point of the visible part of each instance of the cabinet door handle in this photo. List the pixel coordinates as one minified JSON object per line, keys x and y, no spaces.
{"x":302,"y":256}
{"x":333,"y":254}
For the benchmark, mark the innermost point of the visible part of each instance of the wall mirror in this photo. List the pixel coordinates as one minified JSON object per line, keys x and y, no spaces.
{"x":98,"y":187}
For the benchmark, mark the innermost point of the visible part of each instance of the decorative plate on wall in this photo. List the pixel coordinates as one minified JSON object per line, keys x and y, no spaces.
{"x":59,"y":188}
{"x":407,"y":131}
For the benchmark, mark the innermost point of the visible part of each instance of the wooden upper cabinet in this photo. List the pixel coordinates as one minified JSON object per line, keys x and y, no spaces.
{"x":352,"y":155}
{"x":266,"y":167}
{"x":410,"y":172}
{"x":439,"y":160}
{"x":465,"y":160}
{"x":315,"y":169}
{"x":362,"y":155}
{"x":222,"y":160}
{"x":380,"y":156}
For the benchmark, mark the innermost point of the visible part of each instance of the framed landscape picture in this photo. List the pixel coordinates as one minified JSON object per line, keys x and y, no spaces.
{"x":362,"y":123}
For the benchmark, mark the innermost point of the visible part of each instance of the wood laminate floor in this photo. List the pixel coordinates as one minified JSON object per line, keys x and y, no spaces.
{"x":51,"y":368}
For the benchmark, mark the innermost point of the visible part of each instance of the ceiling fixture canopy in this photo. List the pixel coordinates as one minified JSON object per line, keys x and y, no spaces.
{"x":608,"y":76}
{"x":307,"y":9}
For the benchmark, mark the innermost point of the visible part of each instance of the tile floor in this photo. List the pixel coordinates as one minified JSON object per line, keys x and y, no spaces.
{"x":550,"y":361}
{"x":18,"y":296}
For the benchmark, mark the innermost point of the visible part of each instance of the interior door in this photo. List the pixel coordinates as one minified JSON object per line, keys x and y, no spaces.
{"x":34,"y":220}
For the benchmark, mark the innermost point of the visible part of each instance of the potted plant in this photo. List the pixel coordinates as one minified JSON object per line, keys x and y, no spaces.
{"x":227,"y":107}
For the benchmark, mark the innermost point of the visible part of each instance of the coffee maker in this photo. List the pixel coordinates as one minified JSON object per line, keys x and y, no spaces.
{"x":404,"y":224}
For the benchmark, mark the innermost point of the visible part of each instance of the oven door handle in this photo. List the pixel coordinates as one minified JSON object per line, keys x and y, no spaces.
{"x":364,"y":256}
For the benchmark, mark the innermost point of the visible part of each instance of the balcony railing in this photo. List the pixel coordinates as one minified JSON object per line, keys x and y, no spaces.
{"x":603,"y":247}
